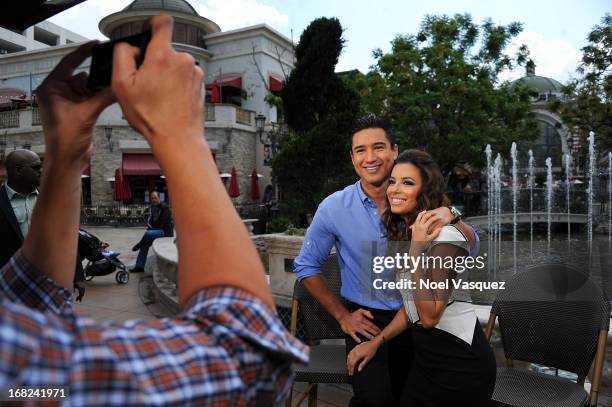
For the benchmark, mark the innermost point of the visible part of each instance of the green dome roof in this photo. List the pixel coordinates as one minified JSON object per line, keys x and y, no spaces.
{"x":170,"y":5}
{"x":540,"y":83}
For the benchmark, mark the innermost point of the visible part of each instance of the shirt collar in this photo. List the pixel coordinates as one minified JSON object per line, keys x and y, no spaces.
{"x":362,"y":195}
{"x":10,"y":192}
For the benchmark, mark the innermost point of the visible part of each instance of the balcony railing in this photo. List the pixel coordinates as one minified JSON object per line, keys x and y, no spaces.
{"x":243,"y":116}
{"x":115,"y":214}
{"x":209,"y":113}
{"x":225,"y":114}
{"x":9,"y":119}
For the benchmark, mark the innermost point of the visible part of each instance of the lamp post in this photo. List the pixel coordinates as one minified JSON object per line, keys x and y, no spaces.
{"x":260,"y":123}
{"x":272,"y":137}
{"x":108,"y":132}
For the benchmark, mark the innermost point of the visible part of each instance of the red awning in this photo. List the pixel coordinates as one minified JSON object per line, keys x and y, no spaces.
{"x":276,"y":85}
{"x":231,"y":81}
{"x":140,"y":164}
{"x":2,"y":170}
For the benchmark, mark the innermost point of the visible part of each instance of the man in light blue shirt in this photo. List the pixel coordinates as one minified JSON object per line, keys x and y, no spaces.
{"x":22,"y":205}
{"x":17,"y":199}
{"x":350,"y":220}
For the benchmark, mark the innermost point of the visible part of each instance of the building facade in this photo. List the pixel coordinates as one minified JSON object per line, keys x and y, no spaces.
{"x":241,"y":68}
{"x":554,"y":139}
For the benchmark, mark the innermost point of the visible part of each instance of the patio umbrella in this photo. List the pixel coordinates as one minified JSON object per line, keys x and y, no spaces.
{"x":255,"y":185}
{"x":234,"y":189}
{"x":215,"y":92}
{"x":122,"y":190}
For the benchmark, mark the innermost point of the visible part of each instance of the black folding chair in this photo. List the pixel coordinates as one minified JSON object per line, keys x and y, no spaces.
{"x":327,"y":362}
{"x":552,"y":315}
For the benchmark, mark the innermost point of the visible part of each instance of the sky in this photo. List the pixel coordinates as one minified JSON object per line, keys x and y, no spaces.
{"x":555,"y":31}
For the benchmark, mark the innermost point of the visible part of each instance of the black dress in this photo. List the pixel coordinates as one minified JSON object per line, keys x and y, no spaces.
{"x":453,"y":365}
{"x":447,"y":371}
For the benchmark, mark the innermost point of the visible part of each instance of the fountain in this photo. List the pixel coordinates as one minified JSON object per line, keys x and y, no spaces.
{"x":609,"y":197}
{"x":568,"y":162}
{"x":549,"y":191}
{"x":531,"y":182}
{"x":590,"y":172}
{"x":497,"y":167}
{"x":514,"y":198}
{"x":488,"y":153}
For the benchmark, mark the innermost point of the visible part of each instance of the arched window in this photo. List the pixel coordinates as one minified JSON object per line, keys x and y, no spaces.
{"x":548,"y":144}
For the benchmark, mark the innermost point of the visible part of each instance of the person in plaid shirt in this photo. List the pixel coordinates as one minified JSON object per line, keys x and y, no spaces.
{"x":227,"y":347}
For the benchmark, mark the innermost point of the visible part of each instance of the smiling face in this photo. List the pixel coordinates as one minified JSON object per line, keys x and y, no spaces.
{"x":372,"y":155}
{"x":404,"y":188}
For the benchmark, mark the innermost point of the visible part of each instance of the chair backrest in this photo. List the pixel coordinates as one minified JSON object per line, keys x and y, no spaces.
{"x":317,"y":322}
{"x":551,"y":314}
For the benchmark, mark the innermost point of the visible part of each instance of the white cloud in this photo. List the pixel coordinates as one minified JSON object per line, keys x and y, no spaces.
{"x":232,"y":14}
{"x":229,"y":14}
{"x":83,"y":19}
{"x":557,"y":59}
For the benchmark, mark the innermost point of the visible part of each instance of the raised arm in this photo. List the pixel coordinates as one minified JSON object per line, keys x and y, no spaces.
{"x":69,"y":112}
{"x":163,"y":100}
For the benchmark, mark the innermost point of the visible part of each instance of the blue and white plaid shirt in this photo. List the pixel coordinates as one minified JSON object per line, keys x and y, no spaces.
{"x":226,"y":348}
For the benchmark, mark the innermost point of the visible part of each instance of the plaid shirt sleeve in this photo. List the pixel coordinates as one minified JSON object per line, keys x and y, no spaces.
{"x":22,"y":283}
{"x":227,"y":348}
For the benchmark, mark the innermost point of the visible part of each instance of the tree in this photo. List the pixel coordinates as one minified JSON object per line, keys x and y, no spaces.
{"x":588,"y":104}
{"x":319,"y":109}
{"x":441,"y":90}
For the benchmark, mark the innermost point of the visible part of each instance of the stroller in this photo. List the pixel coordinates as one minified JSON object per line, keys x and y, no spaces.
{"x":101,"y":261}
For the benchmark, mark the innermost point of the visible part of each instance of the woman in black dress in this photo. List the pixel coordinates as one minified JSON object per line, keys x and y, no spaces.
{"x":453,"y":363}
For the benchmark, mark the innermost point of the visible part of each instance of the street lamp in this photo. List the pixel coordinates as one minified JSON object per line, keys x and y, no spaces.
{"x":260,"y":123}
{"x":108,"y":132}
{"x":274,"y":136}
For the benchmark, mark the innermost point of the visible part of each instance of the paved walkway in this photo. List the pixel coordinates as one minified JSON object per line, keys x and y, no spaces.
{"x":105,"y":299}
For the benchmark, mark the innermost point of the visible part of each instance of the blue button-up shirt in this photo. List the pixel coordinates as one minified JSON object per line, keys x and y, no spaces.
{"x":349,"y":219}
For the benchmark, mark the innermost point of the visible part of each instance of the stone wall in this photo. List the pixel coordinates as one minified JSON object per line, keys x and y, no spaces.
{"x":236,"y":148}
{"x":233,"y":147}
{"x":104,"y":162}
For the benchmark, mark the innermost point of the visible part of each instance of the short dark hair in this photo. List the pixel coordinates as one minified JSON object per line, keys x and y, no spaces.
{"x":372,"y":121}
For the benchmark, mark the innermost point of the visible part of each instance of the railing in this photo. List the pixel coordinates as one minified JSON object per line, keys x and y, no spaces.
{"x":9,"y":119}
{"x":114,"y":215}
{"x":209,"y":113}
{"x":475,"y":203}
{"x":36,"y":117}
{"x":243,"y":116}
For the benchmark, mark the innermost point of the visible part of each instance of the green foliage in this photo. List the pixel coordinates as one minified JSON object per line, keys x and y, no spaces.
{"x":589,"y":97}
{"x":279,"y":225}
{"x":319,"y":108}
{"x":440,"y":89}
{"x":312,"y":82}
{"x":293,"y":231}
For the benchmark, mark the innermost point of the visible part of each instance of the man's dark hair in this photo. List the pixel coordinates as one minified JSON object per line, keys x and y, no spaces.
{"x":372,"y":121}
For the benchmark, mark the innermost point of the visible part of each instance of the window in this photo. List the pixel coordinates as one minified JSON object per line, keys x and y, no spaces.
{"x":45,"y":37}
{"x":548,"y":144}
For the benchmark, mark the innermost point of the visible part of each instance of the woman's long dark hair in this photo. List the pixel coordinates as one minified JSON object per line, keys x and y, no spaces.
{"x":431,"y":196}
